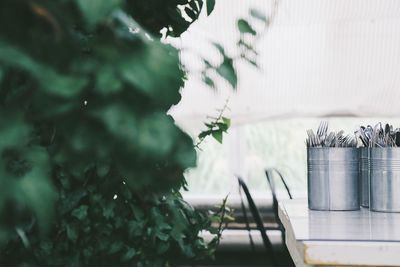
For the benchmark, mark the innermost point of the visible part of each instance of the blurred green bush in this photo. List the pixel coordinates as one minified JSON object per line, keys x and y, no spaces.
{"x":91,"y":164}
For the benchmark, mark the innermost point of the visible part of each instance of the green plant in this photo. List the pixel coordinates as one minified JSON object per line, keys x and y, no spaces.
{"x":216,"y":127}
{"x":220,"y":124}
{"x":97,"y":228}
{"x":91,"y":166}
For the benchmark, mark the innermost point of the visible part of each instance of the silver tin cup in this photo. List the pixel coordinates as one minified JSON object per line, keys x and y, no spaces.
{"x":385,"y":179}
{"x":333,"y":178}
{"x":364,"y":176}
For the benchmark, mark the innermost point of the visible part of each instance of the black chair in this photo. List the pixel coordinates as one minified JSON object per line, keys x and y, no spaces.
{"x":272,"y":255}
{"x":271,"y":183}
{"x":257,"y":218}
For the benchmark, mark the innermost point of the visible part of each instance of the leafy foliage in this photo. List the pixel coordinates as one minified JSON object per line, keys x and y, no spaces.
{"x":226,"y":69}
{"x":91,"y":164}
{"x":104,"y":223}
{"x":210,"y":6}
{"x":155,"y":15}
{"x":216,"y":128}
{"x":258,"y":15}
{"x":249,"y":35}
{"x":244,"y":27}
{"x":246,"y":47}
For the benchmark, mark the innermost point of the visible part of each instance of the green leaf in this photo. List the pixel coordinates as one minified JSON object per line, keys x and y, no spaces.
{"x":80,"y":213}
{"x":46,"y":247}
{"x":94,"y":11}
{"x":200,"y":4}
{"x":37,"y":189}
{"x":220,"y":48}
{"x":62,"y":86}
{"x":185,"y":153}
{"x":244,"y":27}
{"x":105,"y":229}
{"x":135,"y":228}
{"x":50,"y":81}
{"x":210,"y":6}
{"x":108,"y":210}
{"x":227,"y":121}
{"x":190,"y":13}
{"x":245,"y":45}
{"x":162,"y":247}
{"x":119,"y":120}
{"x":157,"y":134}
{"x":252,"y":62}
{"x":139,"y":214}
{"x":227,"y":71}
{"x":217,"y":136}
{"x":107,"y":82}
{"x":258,"y":14}
{"x":72,"y":232}
{"x":229,"y":218}
{"x":187,"y":250}
{"x":128,"y":255}
{"x":103,"y":168}
{"x":162,"y":236}
{"x":207,"y":63}
{"x":204,"y":134}
{"x":164,"y":226}
{"x":155,"y":60}
{"x":209,"y":81}
{"x":210,"y":125}
{"x":88,"y":252}
{"x":70,"y":201}
{"x":14,"y":130}
{"x":222,"y":126}
{"x":116,"y":246}
{"x":194,"y":5}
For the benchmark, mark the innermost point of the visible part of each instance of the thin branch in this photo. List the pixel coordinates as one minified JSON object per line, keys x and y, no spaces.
{"x":215,"y":121}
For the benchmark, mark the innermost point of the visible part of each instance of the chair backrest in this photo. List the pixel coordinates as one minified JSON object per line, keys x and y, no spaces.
{"x":271,"y":183}
{"x":257,"y":218}
{"x":282,"y":179}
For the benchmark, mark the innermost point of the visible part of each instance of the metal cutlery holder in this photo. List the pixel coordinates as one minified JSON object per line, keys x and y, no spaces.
{"x":364,"y":176}
{"x":332,"y":174}
{"x":385,"y":179}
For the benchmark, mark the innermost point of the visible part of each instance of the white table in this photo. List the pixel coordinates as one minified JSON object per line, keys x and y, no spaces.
{"x":345,"y":238}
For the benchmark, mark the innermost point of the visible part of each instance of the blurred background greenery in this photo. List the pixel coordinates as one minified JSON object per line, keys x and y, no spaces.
{"x":250,"y":148}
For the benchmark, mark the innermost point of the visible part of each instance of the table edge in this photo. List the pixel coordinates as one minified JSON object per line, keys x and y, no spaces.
{"x":309,"y":252}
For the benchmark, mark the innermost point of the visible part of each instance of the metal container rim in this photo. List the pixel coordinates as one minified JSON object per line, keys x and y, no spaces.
{"x":333,"y":148}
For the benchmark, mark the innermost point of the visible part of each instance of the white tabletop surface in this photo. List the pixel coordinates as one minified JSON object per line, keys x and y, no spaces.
{"x":340,"y":238}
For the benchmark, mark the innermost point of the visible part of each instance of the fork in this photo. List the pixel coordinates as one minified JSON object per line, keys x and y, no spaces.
{"x":322,"y":131}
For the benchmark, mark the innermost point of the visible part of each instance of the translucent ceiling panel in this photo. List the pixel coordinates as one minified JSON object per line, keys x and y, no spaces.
{"x":318,"y":58}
